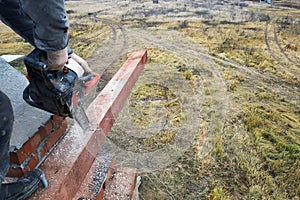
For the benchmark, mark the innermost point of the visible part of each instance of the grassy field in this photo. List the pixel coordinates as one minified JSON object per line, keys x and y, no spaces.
{"x":225,"y":82}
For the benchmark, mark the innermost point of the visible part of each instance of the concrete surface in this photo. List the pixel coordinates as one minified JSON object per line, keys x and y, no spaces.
{"x":27,"y":119}
{"x":10,"y":58}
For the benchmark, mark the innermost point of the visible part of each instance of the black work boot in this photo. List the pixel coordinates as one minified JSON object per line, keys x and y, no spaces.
{"x":23,"y":187}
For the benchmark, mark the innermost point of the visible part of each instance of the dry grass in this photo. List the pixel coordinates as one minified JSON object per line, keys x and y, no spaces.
{"x":259,"y":150}
{"x":257,"y":154}
{"x":86,"y":36}
{"x":11,"y":43}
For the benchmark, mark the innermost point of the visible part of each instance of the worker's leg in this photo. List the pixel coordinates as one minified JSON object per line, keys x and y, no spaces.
{"x":12,"y":15}
{"x":26,"y":185}
{"x":44,"y":24}
{"x":6,"y":122}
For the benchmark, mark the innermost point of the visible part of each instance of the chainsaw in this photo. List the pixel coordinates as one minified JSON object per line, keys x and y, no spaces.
{"x":58,"y":92}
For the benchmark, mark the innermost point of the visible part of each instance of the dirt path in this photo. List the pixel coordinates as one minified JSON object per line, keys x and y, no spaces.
{"x":210,"y":79}
{"x":277,"y":52}
{"x":154,"y":131}
{"x":209,"y":109}
{"x":111,"y":49}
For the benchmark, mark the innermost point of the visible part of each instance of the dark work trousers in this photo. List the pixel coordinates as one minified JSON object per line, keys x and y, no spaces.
{"x":6,"y":123}
{"x":10,"y":14}
{"x":42,"y":23}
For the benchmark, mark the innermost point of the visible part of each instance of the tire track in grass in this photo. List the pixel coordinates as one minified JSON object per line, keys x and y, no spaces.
{"x":203,"y":105}
{"x":285,"y":66}
{"x":275,"y":30}
{"x":111,"y":49}
{"x":208,"y":94}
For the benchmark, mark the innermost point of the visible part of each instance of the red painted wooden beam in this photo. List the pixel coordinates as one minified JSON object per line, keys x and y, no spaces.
{"x":69,"y":163}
